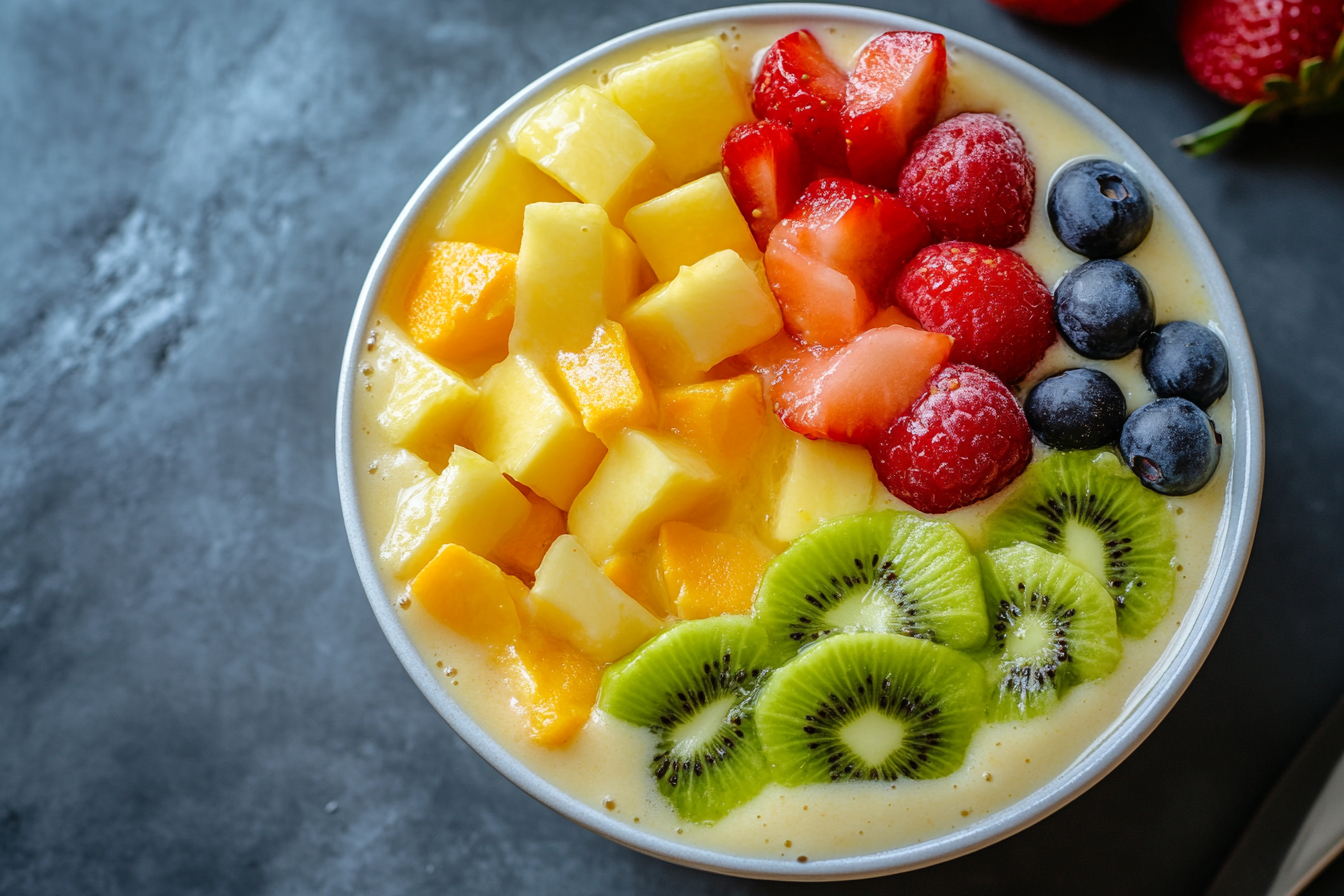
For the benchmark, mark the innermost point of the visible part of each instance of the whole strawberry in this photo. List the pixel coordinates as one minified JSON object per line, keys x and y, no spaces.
{"x":1060,"y":12}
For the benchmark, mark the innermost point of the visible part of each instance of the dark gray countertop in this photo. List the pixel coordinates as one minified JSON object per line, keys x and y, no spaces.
{"x":194,"y":696}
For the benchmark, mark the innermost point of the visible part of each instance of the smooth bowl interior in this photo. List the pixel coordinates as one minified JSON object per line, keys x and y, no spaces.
{"x":1148,"y":703}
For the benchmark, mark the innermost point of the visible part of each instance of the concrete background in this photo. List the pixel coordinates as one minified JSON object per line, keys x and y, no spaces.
{"x":194,"y":696}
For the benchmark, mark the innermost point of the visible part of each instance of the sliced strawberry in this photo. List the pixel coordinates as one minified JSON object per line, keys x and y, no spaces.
{"x":801,"y":88}
{"x":853,"y":392}
{"x":764,"y":358}
{"x":764,"y":170}
{"x":821,"y":306}
{"x":892,"y":98}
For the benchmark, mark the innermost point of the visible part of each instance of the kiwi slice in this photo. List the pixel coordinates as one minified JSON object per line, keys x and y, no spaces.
{"x":1054,"y":627}
{"x":870,"y":706}
{"x":693,"y":687}
{"x":885,"y":572}
{"x":1090,"y":508}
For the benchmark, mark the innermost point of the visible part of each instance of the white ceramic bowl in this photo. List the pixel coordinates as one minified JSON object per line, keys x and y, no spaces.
{"x":1158,"y":691}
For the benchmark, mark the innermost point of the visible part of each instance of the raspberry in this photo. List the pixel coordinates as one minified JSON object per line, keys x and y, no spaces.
{"x":970,"y":178}
{"x":989,"y":300}
{"x":961,"y":442}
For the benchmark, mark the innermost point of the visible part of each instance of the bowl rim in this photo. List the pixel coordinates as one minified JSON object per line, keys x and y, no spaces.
{"x":1165,"y":682}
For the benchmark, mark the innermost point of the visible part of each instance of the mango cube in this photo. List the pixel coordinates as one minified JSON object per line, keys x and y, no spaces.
{"x":607,"y":383}
{"x":634,"y":573}
{"x":714,"y":309}
{"x":574,"y":271}
{"x":710,"y":573}
{"x":689,"y":223}
{"x":722,"y":420}
{"x":426,"y":408}
{"x":462,"y":306}
{"x":521,"y":424}
{"x":470,"y":595}
{"x":554,"y":685}
{"x":470,"y":504}
{"x":590,"y":145}
{"x":489,"y":207}
{"x":644,"y":481}
{"x":520,"y":551}
{"x":824,"y":480}
{"x":686,"y":99}
{"x":574,"y":601}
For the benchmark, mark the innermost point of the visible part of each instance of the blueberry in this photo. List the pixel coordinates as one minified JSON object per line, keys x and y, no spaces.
{"x":1184,"y":360}
{"x":1171,"y":445}
{"x":1099,"y":209}
{"x":1103,"y":308}
{"x":1078,"y":408}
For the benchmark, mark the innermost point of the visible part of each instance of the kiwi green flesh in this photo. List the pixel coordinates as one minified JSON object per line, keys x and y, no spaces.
{"x":1090,"y":508}
{"x":1053,"y":627}
{"x":693,"y":687}
{"x":870,"y":706}
{"x":887,"y":572}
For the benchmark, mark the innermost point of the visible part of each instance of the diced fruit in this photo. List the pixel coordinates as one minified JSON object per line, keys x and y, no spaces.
{"x":574,"y":601}
{"x":891,"y":316}
{"x":1172,"y":446}
{"x":489,"y":208}
{"x":801,"y":88}
{"x":722,"y":420}
{"x":990,"y":301}
{"x":689,"y":223}
{"x":520,"y":551}
{"x":764,"y":170}
{"x":964,"y":440}
{"x":643,"y":482}
{"x":1103,"y":309}
{"x":590,"y":145}
{"x":685,"y":99}
{"x":607,"y":383}
{"x":426,"y":408}
{"x":635,"y":573}
{"x":710,"y":573}
{"x":714,"y":308}
{"x":1079,"y":408}
{"x":470,"y":504}
{"x":1098,"y":208}
{"x":824,"y":480}
{"x":820,"y":305}
{"x":892,"y":98}
{"x":470,"y":595}
{"x":554,"y":684}
{"x":852,"y":392}
{"x":524,"y":426}
{"x":971,"y":178}
{"x":462,"y":307}
{"x":1184,"y":360}
{"x":574,"y":271}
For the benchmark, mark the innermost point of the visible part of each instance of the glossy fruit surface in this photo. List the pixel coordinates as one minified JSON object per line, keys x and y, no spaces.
{"x":1099,"y":209}
{"x":892,"y":98}
{"x":1185,"y":360}
{"x":1171,"y":445}
{"x":800,"y":87}
{"x":1103,"y":308}
{"x":1079,"y":408}
{"x":764,"y":170}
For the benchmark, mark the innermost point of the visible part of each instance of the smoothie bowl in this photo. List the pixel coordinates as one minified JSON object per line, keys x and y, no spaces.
{"x":799,"y":442}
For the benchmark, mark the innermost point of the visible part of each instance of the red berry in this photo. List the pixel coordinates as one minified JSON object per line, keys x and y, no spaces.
{"x":893,"y":96}
{"x":765,"y":174}
{"x":970,"y":178}
{"x":1060,"y":12}
{"x":989,"y":300}
{"x":961,"y":442}
{"x":1231,"y":45}
{"x":800,"y":87}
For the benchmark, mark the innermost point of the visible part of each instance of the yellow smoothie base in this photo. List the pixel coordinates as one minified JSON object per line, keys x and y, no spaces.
{"x":606,"y":764}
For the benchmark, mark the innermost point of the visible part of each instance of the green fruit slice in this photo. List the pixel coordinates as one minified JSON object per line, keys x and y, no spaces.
{"x":1090,"y":508}
{"x":870,"y":706}
{"x":885,"y":572}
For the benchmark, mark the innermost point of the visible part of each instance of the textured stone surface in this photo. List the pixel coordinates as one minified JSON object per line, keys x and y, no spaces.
{"x":194,"y":696}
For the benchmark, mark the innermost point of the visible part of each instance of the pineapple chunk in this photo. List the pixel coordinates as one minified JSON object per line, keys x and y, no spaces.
{"x":644,"y":481}
{"x":574,"y":271}
{"x":824,"y":480}
{"x":723,"y":420}
{"x":689,"y":223}
{"x":462,"y":307}
{"x":470,"y":504}
{"x":554,"y":685}
{"x":470,"y":595}
{"x":710,"y":573}
{"x":634,"y":573}
{"x":607,"y":383}
{"x":426,"y":408}
{"x":590,"y":145}
{"x":686,"y":99}
{"x":396,"y":471}
{"x":574,"y":601}
{"x":524,"y":426}
{"x":714,"y":309}
{"x":489,"y":207}
{"x":520,"y":551}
